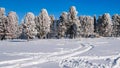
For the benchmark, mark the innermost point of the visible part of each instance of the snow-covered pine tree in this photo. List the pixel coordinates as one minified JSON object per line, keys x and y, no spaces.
{"x":29,"y":26}
{"x":12,"y":24}
{"x":20,"y":31}
{"x":116,"y":25}
{"x":105,"y":25}
{"x":3,"y":24}
{"x":87,"y":25}
{"x":73,"y":19}
{"x":62,"y":25}
{"x":52,"y":27}
{"x":43,"y":23}
{"x":95,"y":24}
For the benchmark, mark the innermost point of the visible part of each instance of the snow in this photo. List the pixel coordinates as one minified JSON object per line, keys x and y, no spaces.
{"x":60,"y":53}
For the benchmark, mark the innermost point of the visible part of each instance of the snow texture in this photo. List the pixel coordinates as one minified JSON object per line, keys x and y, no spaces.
{"x":60,"y":53}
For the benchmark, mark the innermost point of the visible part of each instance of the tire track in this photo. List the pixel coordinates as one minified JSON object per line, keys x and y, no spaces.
{"x":38,"y":60}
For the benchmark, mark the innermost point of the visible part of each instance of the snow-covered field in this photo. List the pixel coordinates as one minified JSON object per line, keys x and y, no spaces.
{"x":61,"y":53}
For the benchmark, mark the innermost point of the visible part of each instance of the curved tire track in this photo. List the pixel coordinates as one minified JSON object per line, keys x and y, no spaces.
{"x":52,"y":57}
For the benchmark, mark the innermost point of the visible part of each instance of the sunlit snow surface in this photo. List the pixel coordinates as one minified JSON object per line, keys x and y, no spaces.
{"x":61,"y":53}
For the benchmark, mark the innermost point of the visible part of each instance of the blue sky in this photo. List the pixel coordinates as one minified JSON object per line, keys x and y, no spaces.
{"x":55,"y":7}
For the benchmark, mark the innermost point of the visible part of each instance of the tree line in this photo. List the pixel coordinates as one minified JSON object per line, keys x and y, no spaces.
{"x":69,"y":25}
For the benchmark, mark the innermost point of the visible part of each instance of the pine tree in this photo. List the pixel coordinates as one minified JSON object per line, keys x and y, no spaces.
{"x":43,"y":23}
{"x":95,"y":23}
{"x":116,"y":25}
{"x":3,"y":24}
{"x":87,"y":25}
{"x":62,"y":26}
{"x":52,"y":27}
{"x":105,"y":25}
{"x":73,"y":19}
{"x":29,"y":26}
{"x":12,"y":27}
